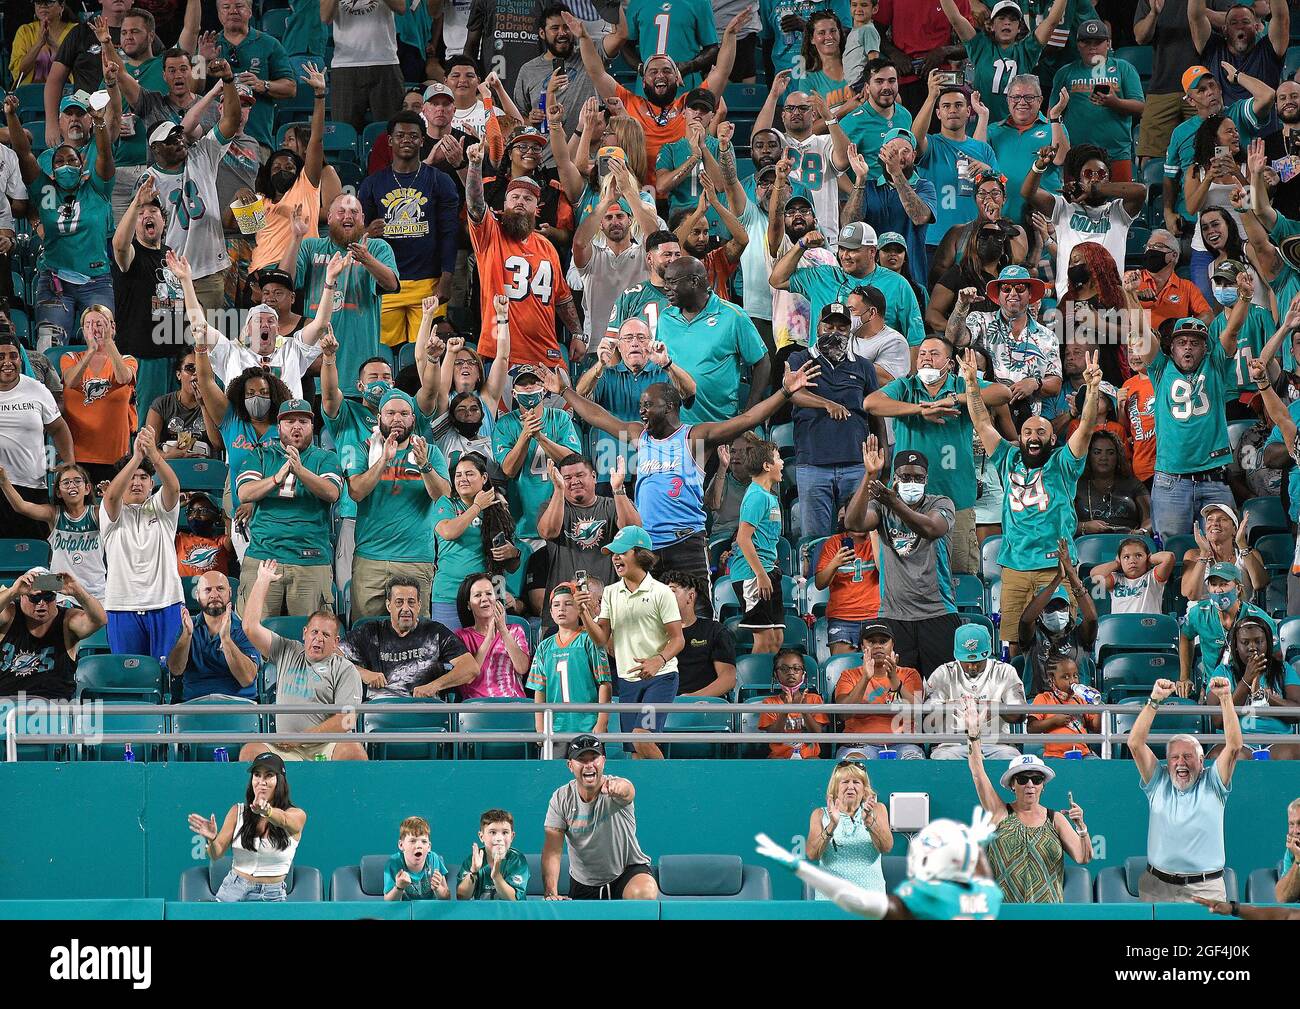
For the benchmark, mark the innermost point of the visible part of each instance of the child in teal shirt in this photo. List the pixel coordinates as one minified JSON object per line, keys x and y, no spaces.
{"x":415,"y":872}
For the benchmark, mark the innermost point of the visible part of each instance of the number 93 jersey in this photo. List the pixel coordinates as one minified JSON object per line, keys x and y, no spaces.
{"x":944,"y":900}
{"x":1191,"y":426}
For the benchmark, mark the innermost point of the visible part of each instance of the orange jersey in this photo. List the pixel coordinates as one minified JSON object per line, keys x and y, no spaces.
{"x":1089,"y":723}
{"x":99,"y":411}
{"x":1138,"y":410}
{"x":783,"y":751}
{"x":661,"y":126}
{"x":855,"y":589}
{"x":197,"y":555}
{"x":530,"y":273}
{"x":877,"y":691}
{"x":720,"y":270}
{"x":1178,"y":298}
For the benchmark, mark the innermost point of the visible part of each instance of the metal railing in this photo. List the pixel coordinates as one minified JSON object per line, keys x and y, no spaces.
{"x":71,"y":717}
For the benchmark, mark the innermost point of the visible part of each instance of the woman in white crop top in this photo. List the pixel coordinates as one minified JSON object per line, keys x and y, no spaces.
{"x":262,"y":835}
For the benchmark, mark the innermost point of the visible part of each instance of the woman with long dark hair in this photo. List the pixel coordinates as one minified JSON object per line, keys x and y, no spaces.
{"x":262,"y":835}
{"x":500,"y":647}
{"x":959,"y":241}
{"x":1224,"y":241}
{"x":1093,"y":282}
{"x":474,"y":530}
{"x":1261,"y":681}
{"x":1218,"y":168}
{"x":823,"y":59}
{"x":986,"y":251}
{"x":1108,"y":498}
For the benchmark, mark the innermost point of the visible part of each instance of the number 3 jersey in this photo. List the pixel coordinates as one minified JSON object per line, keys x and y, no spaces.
{"x":1191,"y":426}
{"x":1038,"y":506}
{"x":530,"y":274}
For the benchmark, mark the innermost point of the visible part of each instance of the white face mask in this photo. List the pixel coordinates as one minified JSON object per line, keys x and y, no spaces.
{"x":929,"y":375}
{"x":1056,"y":620}
{"x":911,"y":492}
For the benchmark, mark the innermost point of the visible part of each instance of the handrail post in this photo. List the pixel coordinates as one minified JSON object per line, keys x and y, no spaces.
{"x":11,"y":726}
{"x":548,"y":729}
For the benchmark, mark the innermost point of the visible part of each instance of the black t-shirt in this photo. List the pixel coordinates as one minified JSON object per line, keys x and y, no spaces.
{"x":178,"y":419}
{"x":407,"y":662}
{"x":148,"y":305}
{"x":1283,"y":152}
{"x":81,"y":52}
{"x":1117,"y":506}
{"x":707,"y":642}
{"x":1044,"y":653}
{"x":955,"y":278}
{"x":583,"y":531}
{"x":37,"y":667}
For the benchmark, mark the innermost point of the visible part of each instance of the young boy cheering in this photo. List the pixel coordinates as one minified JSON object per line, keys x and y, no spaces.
{"x":755,"y":569}
{"x":415,"y":872}
{"x":494,"y":871}
{"x":569,"y":668}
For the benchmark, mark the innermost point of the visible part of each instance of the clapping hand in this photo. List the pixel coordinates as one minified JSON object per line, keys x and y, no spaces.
{"x":873,"y":457}
{"x":206,"y":829}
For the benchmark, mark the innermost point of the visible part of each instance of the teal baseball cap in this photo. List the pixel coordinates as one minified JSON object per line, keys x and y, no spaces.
{"x":293,"y":407}
{"x":1060,"y":595}
{"x":1014,"y":274}
{"x":897,"y":132}
{"x":1225,"y":570}
{"x":76,"y":100}
{"x":971,"y":643}
{"x":627,"y":538}
{"x":1191,"y":324}
{"x":890,"y":238}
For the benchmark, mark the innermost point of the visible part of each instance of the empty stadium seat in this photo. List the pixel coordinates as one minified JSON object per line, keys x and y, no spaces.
{"x":969,"y":591}
{"x":712,"y":877}
{"x":200,"y":884}
{"x":122,"y":677}
{"x":423,"y":718}
{"x":364,"y":881}
{"x":212,"y":723}
{"x":1132,"y":674}
{"x":19,"y":556}
{"x":1261,"y":885}
{"x":1119,"y":884}
{"x":694,"y":714}
{"x":1078,"y":884}
{"x":286,"y":627}
{"x":989,"y":566}
{"x":207,"y":475}
{"x":1264,"y":515}
{"x":95,"y":644}
{"x":108,"y":722}
{"x":835,"y":668}
{"x":1277,"y":551}
{"x":487,"y":722}
{"x":1135,"y":632}
{"x":893,"y":867}
{"x":1288,"y":633}
{"x":535,"y":875}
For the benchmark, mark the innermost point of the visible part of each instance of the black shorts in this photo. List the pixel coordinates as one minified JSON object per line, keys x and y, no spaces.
{"x":612,"y":890}
{"x":746,"y":65}
{"x":762,"y":614}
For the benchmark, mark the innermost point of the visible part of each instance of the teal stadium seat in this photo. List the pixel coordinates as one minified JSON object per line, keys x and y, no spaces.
{"x":1140,"y":56}
{"x":207,"y":475}
{"x":989,"y":566}
{"x":18,"y":556}
{"x":121,"y":677}
{"x":1135,"y":632}
{"x":712,"y":877}
{"x":1132,"y":674}
{"x":835,"y":668}
{"x":1169,"y":722}
{"x":488,"y":722}
{"x":696,"y":714}
{"x":1264,"y":515}
{"x":109,"y":722}
{"x":362,"y":882}
{"x":754,"y":675}
{"x":422,"y":718}
{"x":200,"y":884}
{"x":286,"y":627}
{"x":196,"y":720}
{"x":1288,"y":633}
{"x":969,"y":591}
{"x":1119,"y":884}
{"x":1261,"y":885}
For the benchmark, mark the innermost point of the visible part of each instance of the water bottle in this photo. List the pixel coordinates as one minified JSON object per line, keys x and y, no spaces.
{"x":127,"y":753}
{"x":545,"y":125}
{"x":1006,"y":652}
{"x":885,"y":754}
{"x":220,"y":755}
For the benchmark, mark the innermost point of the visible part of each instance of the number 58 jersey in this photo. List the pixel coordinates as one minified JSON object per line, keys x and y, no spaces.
{"x":529,"y":274}
{"x":1191,"y":425}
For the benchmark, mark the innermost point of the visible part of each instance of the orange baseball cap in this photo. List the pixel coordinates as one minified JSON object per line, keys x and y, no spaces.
{"x":1192,"y":76}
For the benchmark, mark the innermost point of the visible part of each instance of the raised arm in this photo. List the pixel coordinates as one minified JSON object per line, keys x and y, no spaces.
{"x":604,"y":84}
{"x":1048,"y":25}
{"x":1078,"y":442}
{"x":118,"y":486}
{"x":726,"y":58}
{"x":215,"y":403}
{"x":1199,"y":23}
{"x":964,"y":29}
{"x":722,"y":432}
{"x":988,"y":795}
{"x":979,"y":413}
{"x":22,"y":148}
{"x":1029,"y":188}
{"x":570,"y":178}
{"x":1143,"y":756}
{"x":314,"y":159}
{"x":331,"y":395}
{"x":1261,"y":94}
{"x":261,"y":638}
{"x":557,"y":383}
{"x":1227,"y":759}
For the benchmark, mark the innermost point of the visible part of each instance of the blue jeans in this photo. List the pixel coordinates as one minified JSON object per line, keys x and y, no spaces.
{"x":822,"y":491}
{"x":447,"y":615}
{"x":1177,"y":501}
{"x":235,"y":889}
{"x":59,"y":306}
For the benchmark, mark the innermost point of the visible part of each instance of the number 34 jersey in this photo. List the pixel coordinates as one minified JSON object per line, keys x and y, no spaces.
{"x":1038,"y":506}
{"x":530,"y":274}
{"x":1191,"y":426}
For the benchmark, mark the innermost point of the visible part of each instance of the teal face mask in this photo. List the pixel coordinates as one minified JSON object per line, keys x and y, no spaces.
{"x":1224,"y":600}
{"x":1226,"y":296}
{"x":529,"y":400}
{"x":67,"y":176}
{"x":374,"y":392}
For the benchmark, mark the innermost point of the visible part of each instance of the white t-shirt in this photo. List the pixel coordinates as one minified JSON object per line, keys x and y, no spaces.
{"x":813,"y":169}
{"x":754,"y":268}
{"x":365,"y":34}
{"x":25,"y":410}
{"x":473,"y":119}
{"x":11,"y":186}
{"x":1136,"y":595}
{"x":140,"y":549}
{"x":193,"y":206}
{"x":290,"y":361}
{"x":998,"y":682}
{"x":455,"y":26}
{"x":1107,"y":225}
{"x":888,"y":348}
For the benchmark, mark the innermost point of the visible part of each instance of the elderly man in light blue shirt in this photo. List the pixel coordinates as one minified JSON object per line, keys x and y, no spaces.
{"x":1185,"y":856}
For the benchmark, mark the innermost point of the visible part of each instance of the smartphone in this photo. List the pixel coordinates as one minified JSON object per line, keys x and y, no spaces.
{"x":1101,"y":89}
{"x":1220,"y":152}
{"x":47,"y":583}
{"x":581,"y":578}
{"x":557,"y":66}
{"x":499,"y":540}
{"x":948,"y":79}
{"x":1069,"y":798}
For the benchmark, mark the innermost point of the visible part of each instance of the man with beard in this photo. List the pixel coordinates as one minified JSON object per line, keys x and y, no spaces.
{"x":790,"y":217}
{"x":558,"y":53}
{"x":670,"y":481}
{"x":816,"y":160}
{"x":1241,"y":42}
{"x":213,"y":654}
{"x":689,"y":38}
{"x":395,"y":487}
{"x":867,"y":125}
{"x":39,"y":639}
{"x":293,"y":485}
{"x":1191,"y":376}
{"x":407,"y":655}
{"x":1090,"y":207}
{"x":413,"y":207}
{"x":186,"y":180}
{"x":856,"y":255}
{"x":616,"y":261}
{"x":661,"y":111}
{"x":901,"y":201}
{"x":1039,"y":483}
{"x":711,"y":340}
{"x":359,"y":290}
{"x":648,"y":300}
{"x":534,"y":279}
{"x":1185,"y":853}
{"x":1283,"y":150}
{"x":692,"y":228}
{"x":625,"y":367}
{"x":1023,"y":352}
{"x":147,"y":299}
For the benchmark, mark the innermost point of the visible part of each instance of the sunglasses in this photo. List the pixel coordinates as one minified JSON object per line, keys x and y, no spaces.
{"x":42,"y":597}
{"x":789,"y":669}
{"x":1017,"y":288}
{"x":1028,"y":779}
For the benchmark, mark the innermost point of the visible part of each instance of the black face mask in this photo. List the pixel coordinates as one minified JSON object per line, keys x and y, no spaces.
{"x":466,"y":429}
{"x":1154,"y":260}
{"x":833,"y":347}
{"x":989,"y":248}
{"x":284,"y":181}
{"x":1078,"y":275}
{"x":204,"y":526}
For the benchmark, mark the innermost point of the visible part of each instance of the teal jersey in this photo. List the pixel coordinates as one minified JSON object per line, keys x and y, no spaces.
{"x":77,"y":223}
{"x":1182,"y":144}
{"x":291,"y":524}
{"x":939,"y":165}
{"x":395,"y":520}
{"x":1252,"y":336}
{"x":866,"y":127}
{"x":834,"y":89}
{"x":132,"y":147}
{"x":783,"y":46}
{"x":1017,"y":150}
{"x":644,"y":301}
{"x":686,"y":194}
{"x":356,"y":299}
{"x":1038,"y":506}
{"x":822,"y":285}
{"x":514,"y":870}
{"x":1203,"y":624}
{"x":1104,"y":127}
{"x":949,"y":447}
{"x":995,"y":66}
{"x":459,"y":557}
{"x":350,"y":429}
{"x":1288,"y":860}
{"x":1286,"y":284}
{"x":304,"y":34}
{"x":1255,"y":717}
{"x":682,"y":29}
{"x":262,"y":55}
{"x":1191,"y":427}
{"x":242,"y":443}
{"x":570,"y":674}
{"x":420,"y":887}
{"x":1293,"y":474}
{"x":710,"y":348}
{"x":761,"y":509}
{"x":943,"y":900}
{"x":530,"y":490}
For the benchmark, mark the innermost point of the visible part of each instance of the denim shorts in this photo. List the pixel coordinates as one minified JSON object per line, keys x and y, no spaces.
{"x":847,"y":632}
{"x":235,"y":888}
{"x":656,"y":694}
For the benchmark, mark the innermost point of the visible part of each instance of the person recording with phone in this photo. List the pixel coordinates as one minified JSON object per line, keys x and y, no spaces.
{"x":38,"y":639}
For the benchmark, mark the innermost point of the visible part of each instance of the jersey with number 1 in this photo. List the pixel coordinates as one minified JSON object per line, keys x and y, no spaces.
{"x":644,"y":301}
{"x":530,"y":274}
{"x":944,"y":900}
{"x":1191,"y":426}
